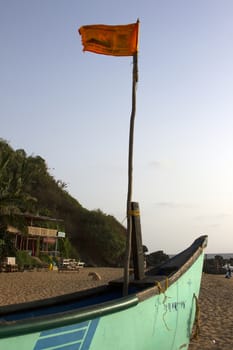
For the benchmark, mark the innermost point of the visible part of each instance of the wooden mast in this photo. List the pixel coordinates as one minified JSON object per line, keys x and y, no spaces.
{"x":130,"y":177}
{"x":101,"y":48}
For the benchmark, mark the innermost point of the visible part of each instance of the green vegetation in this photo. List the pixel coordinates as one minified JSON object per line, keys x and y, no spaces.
{"x":23,"y":260}
{"x":6,"y":246}
{"x":27,"y":187}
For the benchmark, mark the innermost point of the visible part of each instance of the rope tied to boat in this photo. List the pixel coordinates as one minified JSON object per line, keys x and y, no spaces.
{"x":160,"y":288}
{"x":196,"y":325}
{"x":163,"y":290}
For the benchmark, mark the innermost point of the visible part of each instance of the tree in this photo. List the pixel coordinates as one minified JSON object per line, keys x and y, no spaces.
{"x":27,"y":187}
{"x":13,"y":178}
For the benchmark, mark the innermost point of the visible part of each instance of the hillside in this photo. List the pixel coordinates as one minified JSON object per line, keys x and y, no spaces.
{"x":27,"y":187}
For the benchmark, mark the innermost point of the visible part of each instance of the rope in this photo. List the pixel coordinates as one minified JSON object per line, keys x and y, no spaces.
{"x":124,"y":220}
{"x":134,"y":212}
{"x":160,"y":288}
{"x":163,"y":290}
{"x":196,"y":325}
{"x":166,"y":284}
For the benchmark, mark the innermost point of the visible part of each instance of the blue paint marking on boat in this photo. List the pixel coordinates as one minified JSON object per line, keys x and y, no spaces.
{"x":74,"y":337}
{"x":60,"y":339}
{"x":65,"y":328}
{"x":90,"y":334}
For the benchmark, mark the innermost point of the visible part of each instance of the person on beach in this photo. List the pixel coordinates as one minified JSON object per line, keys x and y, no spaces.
{"x":228,"y":273}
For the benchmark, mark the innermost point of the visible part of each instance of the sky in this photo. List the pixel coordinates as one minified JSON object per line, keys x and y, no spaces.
{"x":73,"y":109}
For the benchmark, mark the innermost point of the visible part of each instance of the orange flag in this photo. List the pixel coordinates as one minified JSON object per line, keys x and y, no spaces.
{"x":121,"y":40}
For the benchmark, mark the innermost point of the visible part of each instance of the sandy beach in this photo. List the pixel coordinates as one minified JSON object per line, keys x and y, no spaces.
{"x":216,"y":316}
{"x":26,"y":286}
{"x":216,"y":298}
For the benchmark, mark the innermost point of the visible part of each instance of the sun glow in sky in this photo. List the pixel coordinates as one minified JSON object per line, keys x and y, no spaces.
{"x":73,"y":109}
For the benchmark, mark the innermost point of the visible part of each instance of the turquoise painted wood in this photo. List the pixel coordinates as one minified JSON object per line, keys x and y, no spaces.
{"x":144,"y":320}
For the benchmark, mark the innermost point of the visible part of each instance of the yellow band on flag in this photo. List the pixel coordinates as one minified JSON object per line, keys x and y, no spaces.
{"x":120,"y":40}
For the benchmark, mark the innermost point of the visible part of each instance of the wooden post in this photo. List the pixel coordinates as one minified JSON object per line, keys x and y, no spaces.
{"x":130,"y":177}
{"x":137,"y":248}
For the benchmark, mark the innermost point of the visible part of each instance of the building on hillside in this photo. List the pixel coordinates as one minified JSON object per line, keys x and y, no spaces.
{"x":38,"y":239}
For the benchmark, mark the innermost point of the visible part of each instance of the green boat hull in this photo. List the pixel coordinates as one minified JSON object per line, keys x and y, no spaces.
{"x":160,"y":317}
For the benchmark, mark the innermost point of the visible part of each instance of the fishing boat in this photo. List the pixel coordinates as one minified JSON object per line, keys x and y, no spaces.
{"x":153,"y":309}
{"x":158,"y":312}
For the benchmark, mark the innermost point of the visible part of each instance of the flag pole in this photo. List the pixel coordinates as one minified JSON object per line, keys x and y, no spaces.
{"x":130,"y":177}
{"x":93,"y":40}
